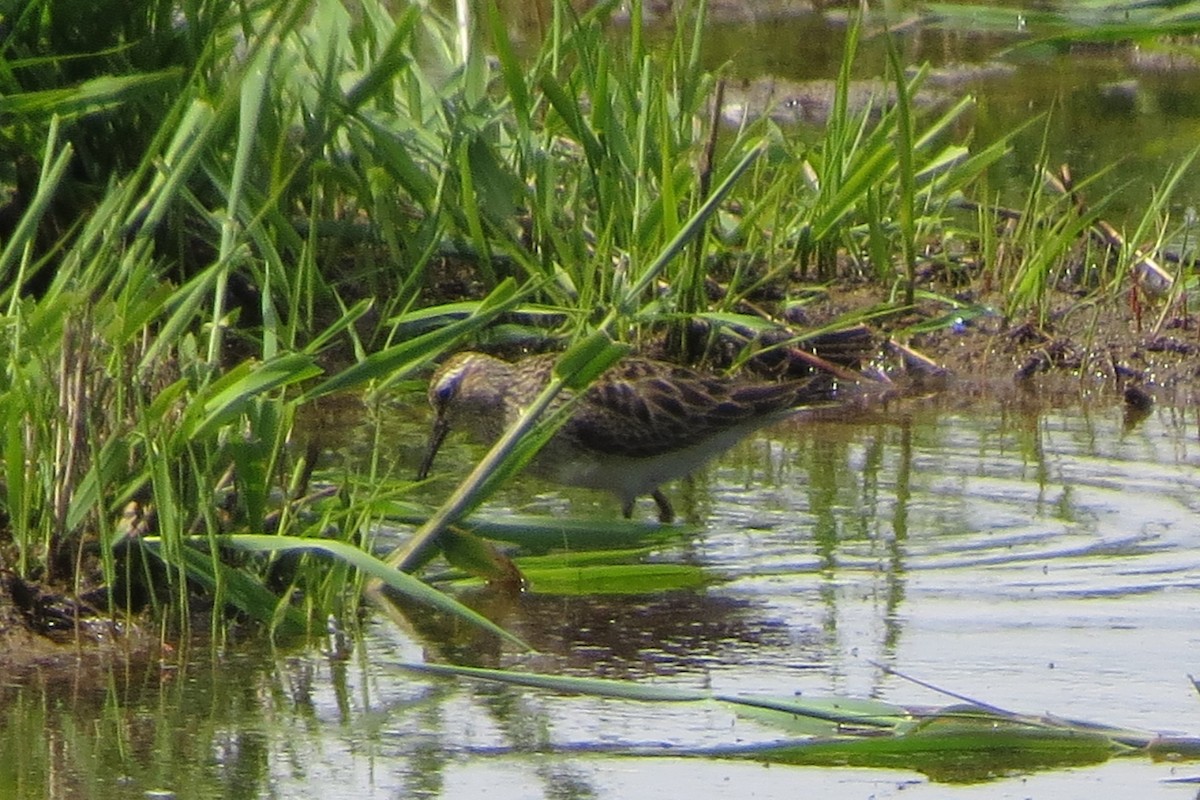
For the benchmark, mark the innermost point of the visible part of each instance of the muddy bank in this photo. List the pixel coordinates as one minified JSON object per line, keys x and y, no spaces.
{"x":792,"y":102}
{"x":46,"y":628}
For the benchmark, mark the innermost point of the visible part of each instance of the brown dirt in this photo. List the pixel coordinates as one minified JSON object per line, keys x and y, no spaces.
{"x":46,"y":629}
{"x":1083,"y":346}
{"x":1079,"y":352}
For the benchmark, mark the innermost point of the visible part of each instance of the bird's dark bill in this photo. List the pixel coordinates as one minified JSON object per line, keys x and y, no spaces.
{"x":440,"y":428}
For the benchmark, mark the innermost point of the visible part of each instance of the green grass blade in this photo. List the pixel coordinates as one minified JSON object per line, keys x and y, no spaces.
{"x":399,"y":581}
{"x":54,"y":167}
{"x":870,"y":714}
{"x":692,"y":227}
{"x":419,"y":350}
{"x":238,"y":588}
{"x":229,"y":396}
{"x":593,"y":687}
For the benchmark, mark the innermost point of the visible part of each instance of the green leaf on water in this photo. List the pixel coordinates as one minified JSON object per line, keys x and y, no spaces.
{"x":958,"y":743}
{"x":614,"y":579}
{"x":539,"y":534}
{"x":571,"y":571}
{"x":859,"y":714}
{"x":596,"y":687}
{"x":586,"y":558}
{"x":822,"y":716}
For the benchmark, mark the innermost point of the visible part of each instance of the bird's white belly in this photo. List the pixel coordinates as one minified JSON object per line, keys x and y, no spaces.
{"x":629,"y":477}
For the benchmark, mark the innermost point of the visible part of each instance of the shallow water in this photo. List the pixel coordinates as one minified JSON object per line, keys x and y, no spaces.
{"x":1037,"y":562}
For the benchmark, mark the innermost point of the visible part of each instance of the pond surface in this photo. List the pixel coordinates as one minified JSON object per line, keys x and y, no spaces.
{"x":1037,"y":561}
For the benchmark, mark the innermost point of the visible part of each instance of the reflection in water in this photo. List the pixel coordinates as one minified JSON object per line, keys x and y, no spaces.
{"x":1040,"y":562}
{"x":895,"y":589}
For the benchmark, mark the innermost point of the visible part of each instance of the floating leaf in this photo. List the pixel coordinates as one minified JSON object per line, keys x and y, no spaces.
{"x":615,"y":579}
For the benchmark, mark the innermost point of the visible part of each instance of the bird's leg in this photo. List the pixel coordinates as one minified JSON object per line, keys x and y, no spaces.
{"x":666,"y":514}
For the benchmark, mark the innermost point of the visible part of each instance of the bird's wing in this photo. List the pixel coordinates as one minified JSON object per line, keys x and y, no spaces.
{"x":641,"y":409}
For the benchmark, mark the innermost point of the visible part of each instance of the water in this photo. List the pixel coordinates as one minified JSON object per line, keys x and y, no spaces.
{"x":1041,"y":562}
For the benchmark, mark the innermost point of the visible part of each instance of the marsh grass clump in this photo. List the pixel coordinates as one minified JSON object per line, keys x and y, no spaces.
{"x":164,"y":316}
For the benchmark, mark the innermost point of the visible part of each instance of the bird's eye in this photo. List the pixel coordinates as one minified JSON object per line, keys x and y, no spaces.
{"x":444,"y":391}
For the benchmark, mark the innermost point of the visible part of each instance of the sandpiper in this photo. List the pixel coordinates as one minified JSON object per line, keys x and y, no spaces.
{"x":641,"y":424}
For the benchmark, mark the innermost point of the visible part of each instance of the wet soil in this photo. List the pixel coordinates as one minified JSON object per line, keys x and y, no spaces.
{"x":1132,"y":348}
{"x":47,"y":628}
